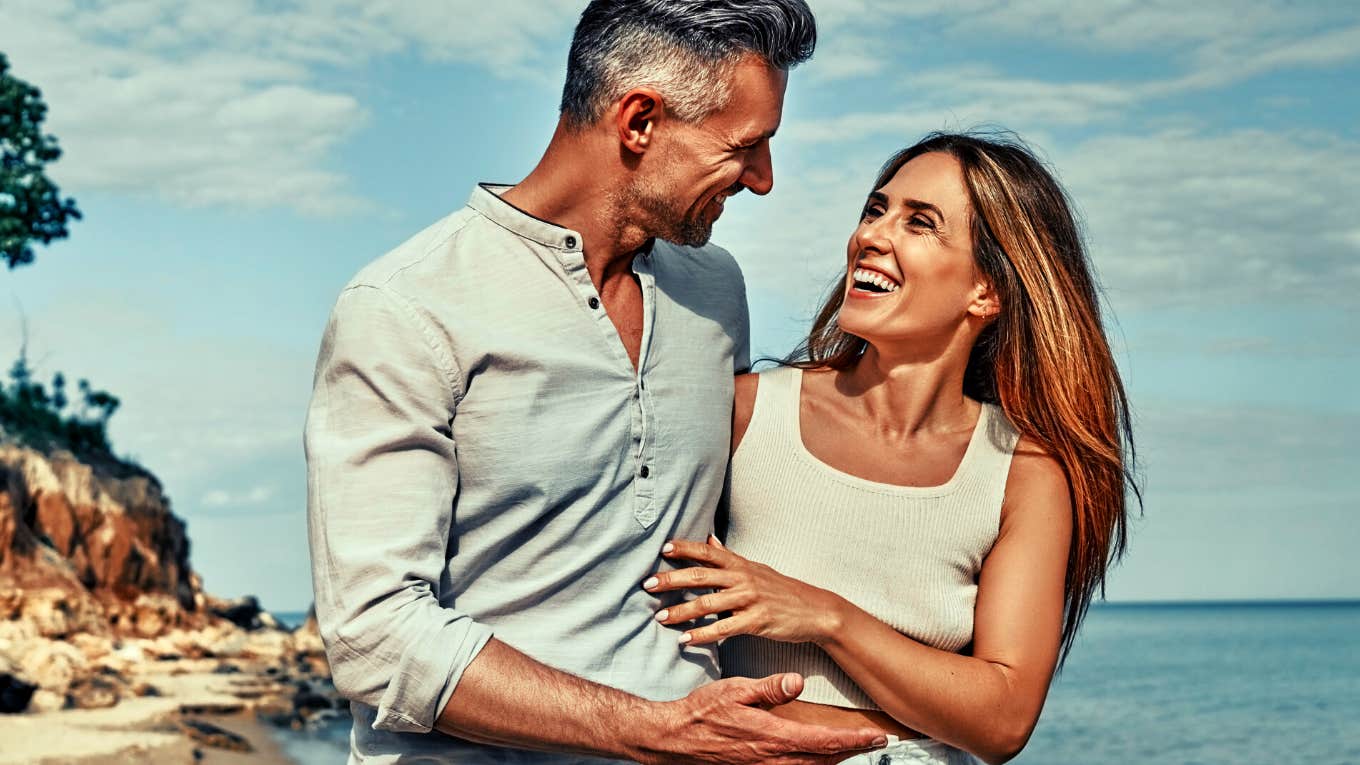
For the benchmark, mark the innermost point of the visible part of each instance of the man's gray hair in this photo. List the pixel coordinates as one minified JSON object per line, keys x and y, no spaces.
{"x":684,"y":49}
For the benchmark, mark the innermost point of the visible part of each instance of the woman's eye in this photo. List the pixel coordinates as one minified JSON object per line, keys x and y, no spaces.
{"x":922,"y":221}
{"x":870,"y":212}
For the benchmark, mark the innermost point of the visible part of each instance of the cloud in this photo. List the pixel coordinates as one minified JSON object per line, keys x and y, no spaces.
{"x":224,"y":103}
{"x":228,"y":498}
{"x":971,"y":96}
{"x":1194,"y":448}
{"x":1229,"y":218}
{"x":1176,"y":216}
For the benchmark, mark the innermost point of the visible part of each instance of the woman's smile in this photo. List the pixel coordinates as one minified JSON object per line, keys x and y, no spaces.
{"x":871,"y":283}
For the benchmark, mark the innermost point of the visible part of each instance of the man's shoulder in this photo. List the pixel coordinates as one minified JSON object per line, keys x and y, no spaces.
{"x":428,"y":253}
{"x":706,"y":261}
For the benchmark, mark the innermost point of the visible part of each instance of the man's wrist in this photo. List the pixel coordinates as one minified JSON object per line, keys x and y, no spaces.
{"x":639,"y":731}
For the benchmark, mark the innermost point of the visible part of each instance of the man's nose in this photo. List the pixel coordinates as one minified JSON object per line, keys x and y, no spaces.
{"x":758,"y":175}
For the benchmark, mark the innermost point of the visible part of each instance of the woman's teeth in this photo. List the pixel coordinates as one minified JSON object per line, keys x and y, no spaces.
{"x":873,"y":280}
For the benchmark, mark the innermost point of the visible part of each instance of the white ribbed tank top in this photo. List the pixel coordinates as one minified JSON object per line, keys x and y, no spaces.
{"x":908,"y":555}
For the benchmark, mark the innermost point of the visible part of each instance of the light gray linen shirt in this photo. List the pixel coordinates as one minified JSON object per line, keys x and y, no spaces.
{"x":483,"y":458}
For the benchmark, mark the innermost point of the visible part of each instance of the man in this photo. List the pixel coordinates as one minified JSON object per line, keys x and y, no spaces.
{"x":515,"y":409}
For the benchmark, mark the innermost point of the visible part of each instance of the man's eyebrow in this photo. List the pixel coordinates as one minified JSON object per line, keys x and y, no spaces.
{"x":757,"y":139}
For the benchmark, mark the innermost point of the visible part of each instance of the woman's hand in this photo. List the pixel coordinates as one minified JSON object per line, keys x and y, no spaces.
{"x":761,"y":601}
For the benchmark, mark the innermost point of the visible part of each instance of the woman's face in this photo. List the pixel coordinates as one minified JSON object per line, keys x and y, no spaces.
{"x":910,"y":273}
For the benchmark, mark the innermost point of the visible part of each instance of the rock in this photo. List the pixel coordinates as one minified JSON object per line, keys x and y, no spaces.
{"x":14,"y":694}
{"x":95,"y":647}
{"x":52,"y":665}
{"x":307,"y":637}
{"x":306,"y":702}
{"x":47,"y":701}
{"x":149,"y":622}
{"x":211,"y":735}
{"x":91,"y":548}
{"x":243,"y":612}
{"x":144,"y":689}
{"x":269,"y":645}
{"x":93,"y":693}
{"x":211,"y":709}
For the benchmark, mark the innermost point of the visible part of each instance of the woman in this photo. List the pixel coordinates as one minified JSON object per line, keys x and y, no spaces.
{"x":922,"y":506}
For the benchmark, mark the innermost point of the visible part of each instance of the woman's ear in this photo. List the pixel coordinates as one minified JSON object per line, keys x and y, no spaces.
{"x":986,"y":304}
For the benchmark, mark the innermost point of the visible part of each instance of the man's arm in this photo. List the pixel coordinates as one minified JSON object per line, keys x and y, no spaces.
{"x":382,"y":476}
{"x":508,"y":699}
{"x":381,"y":479}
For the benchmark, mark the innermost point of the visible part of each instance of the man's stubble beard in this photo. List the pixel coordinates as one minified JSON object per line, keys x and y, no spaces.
{"x":665,"y":219}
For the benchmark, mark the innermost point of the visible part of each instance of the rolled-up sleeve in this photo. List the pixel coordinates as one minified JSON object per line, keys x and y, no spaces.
{"x":382,"y":477}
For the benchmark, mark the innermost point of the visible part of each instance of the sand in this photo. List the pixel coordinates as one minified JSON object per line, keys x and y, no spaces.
{"x":140,"y":730}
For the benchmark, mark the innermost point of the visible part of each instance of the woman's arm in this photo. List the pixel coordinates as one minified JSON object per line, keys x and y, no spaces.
{"x":743,"y":405}
{"x":986,"y":703}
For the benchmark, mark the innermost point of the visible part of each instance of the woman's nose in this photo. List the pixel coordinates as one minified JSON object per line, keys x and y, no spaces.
{"x":871,"y":235}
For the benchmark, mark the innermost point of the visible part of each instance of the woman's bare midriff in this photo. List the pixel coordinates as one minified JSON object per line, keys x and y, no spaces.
{"x":841,"y":717}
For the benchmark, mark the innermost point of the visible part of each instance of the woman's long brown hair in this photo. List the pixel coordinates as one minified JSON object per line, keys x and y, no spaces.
{"x":1045,"y":359}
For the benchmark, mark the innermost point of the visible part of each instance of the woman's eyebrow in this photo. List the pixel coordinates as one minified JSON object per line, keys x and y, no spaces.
{"x":914,"y":204}
{"x":917,"y":204}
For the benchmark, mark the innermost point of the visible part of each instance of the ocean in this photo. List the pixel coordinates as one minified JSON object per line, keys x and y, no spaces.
{"x":1183,"y":684}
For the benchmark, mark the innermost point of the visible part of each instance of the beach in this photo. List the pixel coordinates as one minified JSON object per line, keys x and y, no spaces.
{"x":191,"y":694}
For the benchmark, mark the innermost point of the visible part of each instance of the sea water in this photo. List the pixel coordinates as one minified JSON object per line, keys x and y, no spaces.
{"x":1241,"y":683}
{"x":1190,"y":684}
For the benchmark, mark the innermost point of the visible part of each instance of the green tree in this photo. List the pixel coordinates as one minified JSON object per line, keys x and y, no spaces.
{"x":31,"y":207}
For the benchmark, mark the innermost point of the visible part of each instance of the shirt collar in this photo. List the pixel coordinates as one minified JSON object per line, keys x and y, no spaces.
{"x":486,"y":199}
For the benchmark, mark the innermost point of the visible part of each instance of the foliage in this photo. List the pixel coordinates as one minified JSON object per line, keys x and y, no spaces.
{"x":31,"y":207}
{"x":44,"y":419}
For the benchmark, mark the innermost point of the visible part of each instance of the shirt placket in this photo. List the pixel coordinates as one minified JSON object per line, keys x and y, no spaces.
{"x":641,"y":411}
{"x":646,"y":469}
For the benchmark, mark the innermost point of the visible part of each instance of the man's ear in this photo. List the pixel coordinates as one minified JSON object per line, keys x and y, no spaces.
{"x":638,"y":112}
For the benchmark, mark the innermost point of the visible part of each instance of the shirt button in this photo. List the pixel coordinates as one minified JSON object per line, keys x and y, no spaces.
{"x":571,"y":243}
{"x":644,"y":472}
{"x":594,"y":302}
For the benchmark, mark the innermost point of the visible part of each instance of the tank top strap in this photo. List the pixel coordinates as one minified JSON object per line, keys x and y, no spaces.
{"x":987,"y":462}
{"x":777,"y":391}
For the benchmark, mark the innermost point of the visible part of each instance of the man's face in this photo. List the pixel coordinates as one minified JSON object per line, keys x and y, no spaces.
{"x":699,"y":165}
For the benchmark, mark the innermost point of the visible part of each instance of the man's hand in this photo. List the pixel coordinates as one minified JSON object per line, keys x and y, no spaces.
{"x":727,"y":722}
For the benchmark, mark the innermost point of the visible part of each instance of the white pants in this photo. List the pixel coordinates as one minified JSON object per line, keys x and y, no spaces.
{"x":923,"y":751}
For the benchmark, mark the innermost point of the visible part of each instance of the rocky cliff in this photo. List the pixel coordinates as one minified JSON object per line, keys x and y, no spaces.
{"x":86,"y":551}
{"x":97,"y":597}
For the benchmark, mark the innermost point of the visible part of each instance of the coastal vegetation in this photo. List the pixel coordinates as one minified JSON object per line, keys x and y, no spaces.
{"x":49,"y":418}
{"x":31,"y":206}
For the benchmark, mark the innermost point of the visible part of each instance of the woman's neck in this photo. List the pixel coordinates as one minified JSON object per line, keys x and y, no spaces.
{"x":905,"y":396}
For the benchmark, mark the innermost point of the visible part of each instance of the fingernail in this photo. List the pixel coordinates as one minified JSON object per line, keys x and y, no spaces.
{"x":662,"y":614}
{"x":788,"y":684}
{"x":666,"y":548}
{"x":684,"y":638}
{"x":881,"y":741}
{"x":650,"y":583}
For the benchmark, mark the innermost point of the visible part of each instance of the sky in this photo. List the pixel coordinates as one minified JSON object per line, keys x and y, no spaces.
{"x":238,"y":161}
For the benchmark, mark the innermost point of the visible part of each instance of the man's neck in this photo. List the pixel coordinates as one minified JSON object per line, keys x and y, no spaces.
{"x":570,"y":188}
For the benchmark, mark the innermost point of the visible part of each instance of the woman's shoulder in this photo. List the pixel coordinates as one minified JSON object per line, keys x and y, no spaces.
{"x":1036,"y":484}
{"x":746,"y":389}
